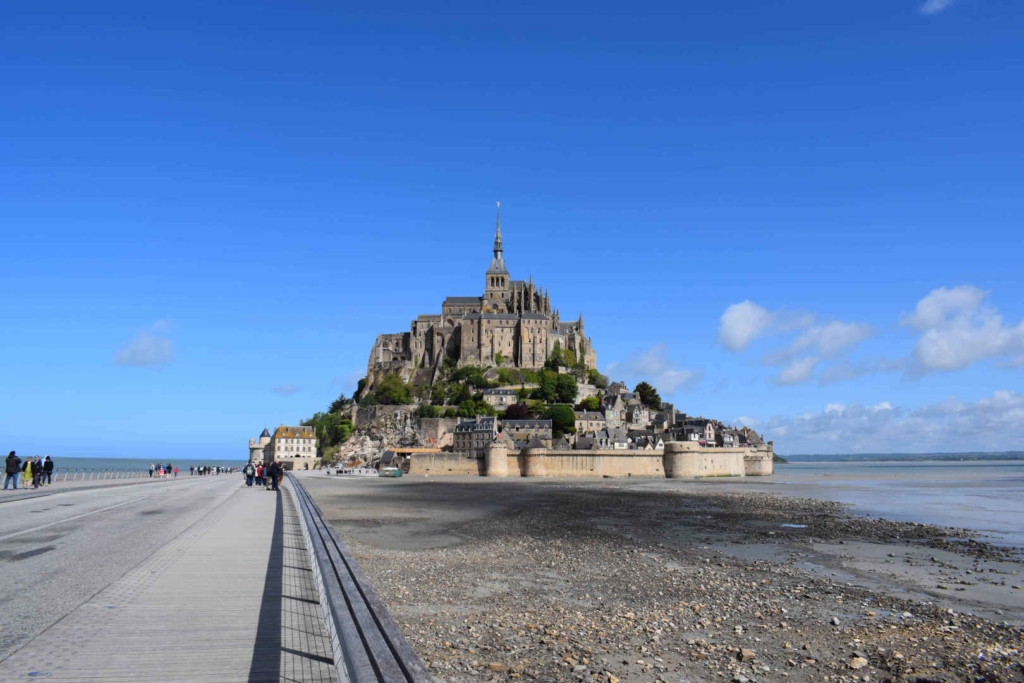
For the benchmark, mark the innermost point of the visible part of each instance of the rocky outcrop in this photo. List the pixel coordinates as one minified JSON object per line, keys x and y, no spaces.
{"x":379,"y":428}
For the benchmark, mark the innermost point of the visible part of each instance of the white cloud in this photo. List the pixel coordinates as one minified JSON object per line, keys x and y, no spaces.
{"x":286,"y":389}
{"x":832,"y":338}
{"x":935,"y":6}
{"x":742,"y":323}
{"x":654,"y":366}
{"x":797,"y":371}
{"x":992,"y":423}
{"x":149,"y":347}
{"x":814,"y":342}
{"x":958,"y":329}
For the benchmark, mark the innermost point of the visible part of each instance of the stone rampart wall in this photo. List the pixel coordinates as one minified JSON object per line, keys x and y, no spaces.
{"x":542,"y":462}
{"x":589,"y":463}
{"x":437,"y":464}
{"x":436,"y":427}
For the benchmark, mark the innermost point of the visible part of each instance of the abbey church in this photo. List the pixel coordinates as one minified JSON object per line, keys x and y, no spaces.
{"x":513,"y":325}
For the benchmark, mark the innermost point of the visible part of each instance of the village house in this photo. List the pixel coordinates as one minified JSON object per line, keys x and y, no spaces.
{"x":473,"y":436}
{"x":614,"y":410}
{"x":524,"y":431}
{"x":589,"y":421}
{"x":500,"y":399}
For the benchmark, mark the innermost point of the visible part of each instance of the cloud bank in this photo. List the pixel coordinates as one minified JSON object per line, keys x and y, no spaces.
{"x":955,"y":328}
{"x":958,"y":329}
{"x":992,"y":423}
{"x":814,"y":341}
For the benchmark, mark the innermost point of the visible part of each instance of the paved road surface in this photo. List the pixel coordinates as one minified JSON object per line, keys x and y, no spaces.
{"x":194,"y":579}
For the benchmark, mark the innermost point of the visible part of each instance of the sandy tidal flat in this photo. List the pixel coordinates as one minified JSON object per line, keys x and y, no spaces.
{"x":558,"y":580}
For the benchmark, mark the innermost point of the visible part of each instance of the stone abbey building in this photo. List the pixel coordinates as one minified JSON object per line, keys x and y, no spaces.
{"x":513,"y":324}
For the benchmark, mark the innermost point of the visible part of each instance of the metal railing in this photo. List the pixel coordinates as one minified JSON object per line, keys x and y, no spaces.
{"x":367,"y":645}
{"x":90,"y":474}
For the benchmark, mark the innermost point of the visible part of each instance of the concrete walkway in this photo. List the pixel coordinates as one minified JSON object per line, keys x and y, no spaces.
{"x":27,"y":492}
{"x":231,"y":598}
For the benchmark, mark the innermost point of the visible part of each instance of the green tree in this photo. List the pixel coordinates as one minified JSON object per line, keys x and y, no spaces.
{"x":548,"y":386}
{"x":392,"y":391}
{"x":597,"y":379}
{"x":473,"y":408}
{"x":338,"y":403}
{"x":566,"y":389}
{"x":499,"y":359}
{"x":425,"y":410}
{"x":563,"y":420}
{"x":648,"y":395}
{"x":359,"y":390}
{"x":555,"y":357}
{"x":504,"y":376}
{"x":437,"y":394}
{"x":517,"y":411}
{"x":451,"y":412}
{"x":591,"y":403}
{"x":462,"y":395}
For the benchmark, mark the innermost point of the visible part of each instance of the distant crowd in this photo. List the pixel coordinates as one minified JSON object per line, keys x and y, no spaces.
{"x":169,"y":470}
{"x":35,"y":471}
{"x":267,"y":476}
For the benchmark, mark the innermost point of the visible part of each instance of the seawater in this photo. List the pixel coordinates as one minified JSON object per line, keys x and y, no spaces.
{"x":986,"y":496}
{"x":139,"y":463}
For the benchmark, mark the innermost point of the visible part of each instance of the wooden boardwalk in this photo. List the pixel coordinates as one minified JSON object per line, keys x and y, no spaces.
{"x":232,"y":598}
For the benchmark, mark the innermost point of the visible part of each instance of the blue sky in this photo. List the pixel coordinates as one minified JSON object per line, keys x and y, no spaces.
{"x":799,"y":215}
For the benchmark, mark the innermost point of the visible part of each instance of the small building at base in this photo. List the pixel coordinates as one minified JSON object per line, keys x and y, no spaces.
{"x":293,"y":447}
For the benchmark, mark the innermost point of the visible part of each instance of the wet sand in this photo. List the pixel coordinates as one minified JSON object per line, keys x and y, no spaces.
{"x":646,"y":580}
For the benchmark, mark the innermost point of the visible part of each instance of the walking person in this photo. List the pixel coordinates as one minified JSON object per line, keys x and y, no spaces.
{"x":259,"y":474}
{"x":249,"y":472}
{"x":48,"y":470}
{"x":13,"y":470}
{"x":151,"y":470}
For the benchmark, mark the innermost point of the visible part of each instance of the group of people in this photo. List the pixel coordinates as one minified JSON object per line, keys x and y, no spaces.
{"x":206,"y":469}
{"x":268,"y":476}
{"x":160,"y":470}
{"x":35,"y":470}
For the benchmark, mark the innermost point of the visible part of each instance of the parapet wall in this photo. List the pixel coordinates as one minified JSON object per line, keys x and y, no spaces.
{"x":678,"y":460}
{"x":438,"y":464}
{"x":586,"y":463}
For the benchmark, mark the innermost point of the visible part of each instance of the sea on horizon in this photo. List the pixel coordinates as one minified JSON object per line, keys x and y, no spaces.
{"x":141,"y":464}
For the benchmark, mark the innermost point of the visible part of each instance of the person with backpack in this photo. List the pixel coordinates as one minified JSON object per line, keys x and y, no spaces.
{"x":13,"y":470}
{"x":249,"y":473}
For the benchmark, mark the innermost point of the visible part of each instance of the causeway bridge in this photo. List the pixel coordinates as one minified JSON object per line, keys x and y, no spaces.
{"x":197,"y":579}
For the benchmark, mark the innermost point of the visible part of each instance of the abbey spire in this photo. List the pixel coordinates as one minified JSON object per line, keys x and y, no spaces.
{"x":498,"y":262}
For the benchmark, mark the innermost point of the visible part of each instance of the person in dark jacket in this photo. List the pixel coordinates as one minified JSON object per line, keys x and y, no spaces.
{"x":47,"y":471}
{"x":37,"y":472}
{"x":249,"y":471}
{"x":272,"y":474}
{"x":13,"y":470}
